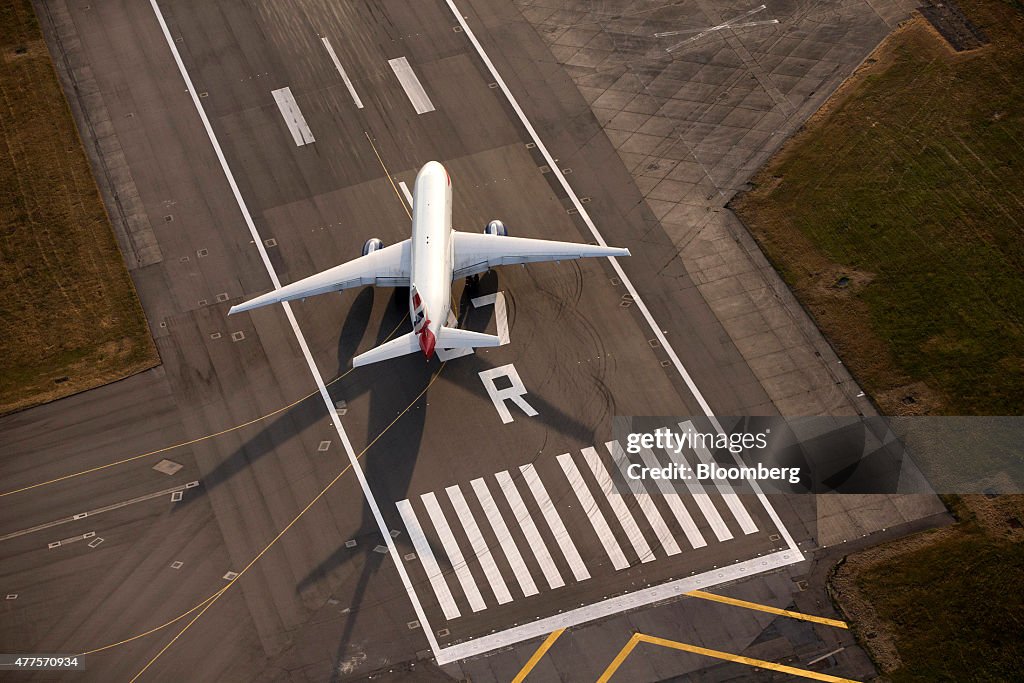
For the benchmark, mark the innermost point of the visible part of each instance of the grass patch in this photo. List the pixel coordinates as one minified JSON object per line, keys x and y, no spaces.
{"x":69,"y":316}
{"x":897,"y":218}
{"x":943,"y":606}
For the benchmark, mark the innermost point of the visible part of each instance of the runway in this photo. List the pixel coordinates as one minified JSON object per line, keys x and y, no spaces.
{"x":405,"y":514}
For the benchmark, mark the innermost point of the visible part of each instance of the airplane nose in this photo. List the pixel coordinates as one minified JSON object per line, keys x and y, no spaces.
{"x":427,"y":341}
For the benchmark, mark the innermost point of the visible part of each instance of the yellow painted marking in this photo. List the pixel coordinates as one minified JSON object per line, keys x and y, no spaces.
{"x":767,"y":608}
{"x":394,"y":187}
{"x":198,"y":439}
{"x":538,"y":655}
{"x":717,"y":654}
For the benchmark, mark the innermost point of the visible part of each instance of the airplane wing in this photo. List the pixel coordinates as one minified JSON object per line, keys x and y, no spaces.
{"x":387,"y":267}
{"x":478,"y":252}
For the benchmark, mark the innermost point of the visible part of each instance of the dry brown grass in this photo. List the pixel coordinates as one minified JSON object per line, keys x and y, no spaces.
{"x":69,"y":316}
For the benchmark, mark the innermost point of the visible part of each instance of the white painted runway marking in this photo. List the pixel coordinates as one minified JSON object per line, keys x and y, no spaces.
{"x":426,"y":555}
{"x":479,"y":545}
{"x":500,"y":313}
{"x":405,"y":191}
{"x":618,"y":505}
{"x":794,"y":554}
{"x":300,"y":338}
{"x":703,"y":500}
{"x":505,"y":540}
{"x":647,"y":505}
{"x":97,"y":511}
{"x":513,"y":393}
{"x":417,"y":95}
{"x":593,"y":513}
{"x":731,"y":499}
{"x":344,"y":76}
{"x":292,"y":115}
{"x":675,"y":503}
{"x":454,"y":553}
{"x":533,"y":538}
{"x":562,"y":537}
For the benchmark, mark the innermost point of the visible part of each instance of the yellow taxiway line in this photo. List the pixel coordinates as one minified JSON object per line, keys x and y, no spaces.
{"x":538,"y":655}
{"x":717,"y":654}
{"x":703,"y":595}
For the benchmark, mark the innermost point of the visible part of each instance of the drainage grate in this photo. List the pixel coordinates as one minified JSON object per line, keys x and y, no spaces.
{"x":230,"y":576}
{"x":237,"y":336}
{"x":271,"y":242}
{"x":95,"y":542}
{"x":202,"y":253}
{"x":324,"y":445}
{"x":176,"y":496}
{"x":222,"y":297}
{"x":351,"y":543}
{"x":215,"y":335}
{"x":412,"y":625}
{"x":177,"y":564}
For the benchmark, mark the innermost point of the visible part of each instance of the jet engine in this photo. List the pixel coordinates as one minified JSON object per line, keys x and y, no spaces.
{"x":496,"y":227}
{"x":372,"y":245}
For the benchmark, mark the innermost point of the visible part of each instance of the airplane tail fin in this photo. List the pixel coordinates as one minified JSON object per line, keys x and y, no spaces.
{"x":448,"y":338}
{"x":400,"y":346}
{"x":454,"y":338}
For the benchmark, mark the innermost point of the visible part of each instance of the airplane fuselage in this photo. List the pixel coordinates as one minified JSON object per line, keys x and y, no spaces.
{"x":430,"y":275}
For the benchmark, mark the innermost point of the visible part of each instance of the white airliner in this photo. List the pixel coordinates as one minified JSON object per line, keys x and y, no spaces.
{"x":427,"y":264}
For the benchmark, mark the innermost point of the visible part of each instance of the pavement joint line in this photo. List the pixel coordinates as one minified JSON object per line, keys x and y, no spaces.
{"x":704,"y":595}
{"x":300,"y":338}
{"x":538,"y":655}
{"x":717,"y":654}
{"x":94,"y":512}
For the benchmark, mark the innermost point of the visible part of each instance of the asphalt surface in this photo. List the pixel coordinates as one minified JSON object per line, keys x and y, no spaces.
{"x":333,"y":597}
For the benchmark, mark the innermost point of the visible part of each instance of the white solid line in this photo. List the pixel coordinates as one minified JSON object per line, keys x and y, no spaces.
{"x":426,"y":555}
{"x":335,"y":419}
{"x":292,"y":116}
{"x":454,"y":553}
{"x":731,"y":499}
{"x":407,"y":77}
{"x":617,"y":605}
{"x":593,"y":513}
{"x":562,"y":537}
{"x":341,"y":70}
{"x":505,"y":540}
{"x":641,"y":306}
{"x":647,"y":506}
{"x":405,"y":191}
{"x":675,"y":503}
{"x":618,"y":505}
{"x":94,"y":512}
{"x":703,"y":500}
{"x":476,"y":540}
{"x":533,"y":538}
